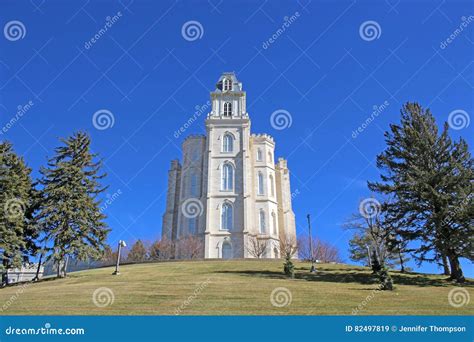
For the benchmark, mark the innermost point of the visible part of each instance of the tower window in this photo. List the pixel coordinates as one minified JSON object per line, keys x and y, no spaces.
{"x":260,"y":183}
{"x":262,"y":221}
{"x":227,"y":177}
{"x":272,"y":186}
{"x":259,"y":155}
{"x":192,"y":225}
{"x":226,"y":217}
{"x":227,"y":109}
{"x":274,"y":223}
{"x":194,"y":185}
{"x":227,"y":84}
{"x":227,"y":143}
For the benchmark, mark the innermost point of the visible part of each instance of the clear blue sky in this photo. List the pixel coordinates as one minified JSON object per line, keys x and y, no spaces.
{"x":320,"y":70}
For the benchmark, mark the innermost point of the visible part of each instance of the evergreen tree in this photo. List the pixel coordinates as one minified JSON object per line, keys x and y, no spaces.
{"x":430,"y":180}
{"x":17,"y":204}
{"x":289,"y":267}
{"x":137,"y":252}
{"x":376,"y":265}
{"x":385,"y":279}
{"x":70,"y":212}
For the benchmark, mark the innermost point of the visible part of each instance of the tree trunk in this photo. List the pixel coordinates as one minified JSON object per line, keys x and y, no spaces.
{"x":446,"y":270}
{"x":402,"y":268}
{"x":65,"y":266}
{"x":456,"y":271}
{"x":59,"y":269}
{"x":36,"y":278}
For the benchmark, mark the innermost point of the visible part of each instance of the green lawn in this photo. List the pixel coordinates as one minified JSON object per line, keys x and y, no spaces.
{"x":232,"y":288}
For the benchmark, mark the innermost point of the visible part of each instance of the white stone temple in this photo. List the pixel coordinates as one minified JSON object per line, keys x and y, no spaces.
{"x":229,"y":191}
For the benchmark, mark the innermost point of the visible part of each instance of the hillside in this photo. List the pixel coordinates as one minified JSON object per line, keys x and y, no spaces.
{"x":232,"y":288}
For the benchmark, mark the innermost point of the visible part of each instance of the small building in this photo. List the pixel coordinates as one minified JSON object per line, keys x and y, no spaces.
{"x":25,"y":273}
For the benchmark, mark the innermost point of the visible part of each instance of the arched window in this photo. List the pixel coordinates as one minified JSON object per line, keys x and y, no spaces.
{"x":274,"y":223}
{"x":227,"y":177}
{"x":226,"y":250}
{"x":259,"y":155}
{"x":270,"y":157}
{"x":192,"y":225}
{"x":228,"y":143}
{"x":227,"y":109}
{"x":226,"y":216}
{"x":194,"y":185}
{"x":272,"y":185}
{"x":262,"y":221}
{"x":260,"y":183}
{"x":227,"y":84}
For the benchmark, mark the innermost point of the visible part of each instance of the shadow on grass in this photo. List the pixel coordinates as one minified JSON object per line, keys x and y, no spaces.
{"x":349,"y":276}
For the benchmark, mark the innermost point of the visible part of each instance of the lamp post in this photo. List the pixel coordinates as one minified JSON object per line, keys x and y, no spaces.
{"x":121,"y":244}
{"x":313,"y":269}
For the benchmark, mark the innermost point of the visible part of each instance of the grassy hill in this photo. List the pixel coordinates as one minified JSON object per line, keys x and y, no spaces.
{"x":234,"y":287}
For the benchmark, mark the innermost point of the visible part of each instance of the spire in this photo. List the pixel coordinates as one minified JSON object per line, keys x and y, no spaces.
{"x":228,"y":83}
{"x":228,"y":99}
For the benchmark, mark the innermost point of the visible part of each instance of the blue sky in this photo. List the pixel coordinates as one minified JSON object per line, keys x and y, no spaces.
{"x":323,"y":69}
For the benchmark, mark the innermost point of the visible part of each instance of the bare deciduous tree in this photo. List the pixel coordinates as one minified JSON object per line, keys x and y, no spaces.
{"x":322,"y":250}
{"x":162,"y":250}
{"x":288,"y":246}
{"x":190,"y":247}
{"x":256,"y":247}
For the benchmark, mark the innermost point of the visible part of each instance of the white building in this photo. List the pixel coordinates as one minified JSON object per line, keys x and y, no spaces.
{"x":27,"y":272}
{"x":229,"y":192}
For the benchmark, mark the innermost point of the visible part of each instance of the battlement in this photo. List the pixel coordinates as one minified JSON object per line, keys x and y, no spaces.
{"x":175,"y":165}
{"x":262,"y":137}
{"x":194,"y":137}
{"x":282,"y":163}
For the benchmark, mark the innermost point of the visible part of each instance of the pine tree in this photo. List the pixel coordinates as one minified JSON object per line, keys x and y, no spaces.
{"x":17,"y":202}
{"x":376,"y":265}
{"x":430,"y":179}
{"x":70,"y":212}
{"x":137,"y":252}
{"x":385,"y":279}
{"x":289,"y":267}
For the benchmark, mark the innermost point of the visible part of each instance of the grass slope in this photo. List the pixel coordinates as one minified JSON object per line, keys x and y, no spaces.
{"x":235,"y":287}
